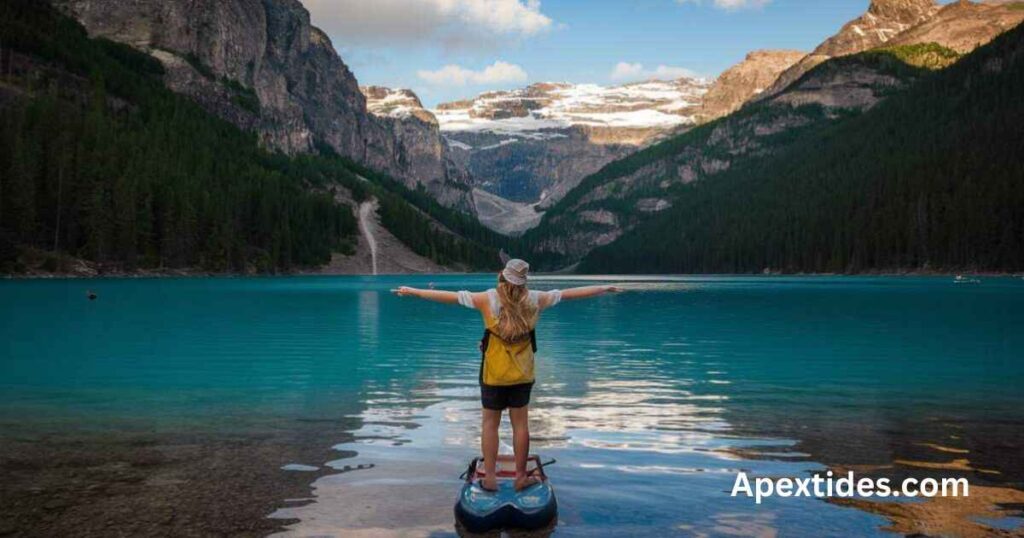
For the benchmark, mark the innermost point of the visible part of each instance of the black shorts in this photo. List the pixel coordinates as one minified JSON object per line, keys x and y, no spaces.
{"x":498,"y":398}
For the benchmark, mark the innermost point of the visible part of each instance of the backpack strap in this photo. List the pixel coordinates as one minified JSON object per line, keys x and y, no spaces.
{"x":484,"y":342}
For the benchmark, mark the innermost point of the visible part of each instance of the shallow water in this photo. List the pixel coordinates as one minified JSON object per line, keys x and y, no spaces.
{"x":651,"y":400}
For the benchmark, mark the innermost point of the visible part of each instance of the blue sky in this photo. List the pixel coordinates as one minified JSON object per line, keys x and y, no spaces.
{"x":442,"y":49}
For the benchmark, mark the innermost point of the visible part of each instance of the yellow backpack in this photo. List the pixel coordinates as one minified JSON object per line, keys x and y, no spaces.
{"x":506,"y":363}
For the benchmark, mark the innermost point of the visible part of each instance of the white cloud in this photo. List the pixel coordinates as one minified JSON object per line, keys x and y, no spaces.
{"x":636,"y":71}
{"x":627,"y":71}
{"x":671,"y":72}
{"x":445,"y":22}
{"x":730,"y":5}
{"x":453,"y":75}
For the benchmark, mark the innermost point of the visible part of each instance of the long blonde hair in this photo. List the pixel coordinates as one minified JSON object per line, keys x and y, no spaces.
{"x":517,"y":315}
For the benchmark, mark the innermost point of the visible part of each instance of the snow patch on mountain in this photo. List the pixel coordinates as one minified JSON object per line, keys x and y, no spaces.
{"x":538,"y":111}
{"x":397,"y":103}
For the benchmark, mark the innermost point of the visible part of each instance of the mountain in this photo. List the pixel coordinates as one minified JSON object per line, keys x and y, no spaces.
{"x":636,"y":188}
{"x":927,"y":179}
{"x":883,"y":20}
{"x":627,"y":192}
{"x":964,"y":26}
{"x":534,"y":144}
{"x":261,"y":65}
{"x":105,"y":169}
{"x":419,"y":147}
{"x":744,"y":80}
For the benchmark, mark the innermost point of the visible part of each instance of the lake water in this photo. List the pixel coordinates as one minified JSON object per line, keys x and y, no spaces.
{"x":651,"y":400}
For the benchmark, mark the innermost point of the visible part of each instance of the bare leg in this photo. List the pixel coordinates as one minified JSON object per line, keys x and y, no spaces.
{"x":489,"y":446}
{"x":521,"y":443}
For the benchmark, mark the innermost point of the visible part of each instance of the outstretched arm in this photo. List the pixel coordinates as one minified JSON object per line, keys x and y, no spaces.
{"x":438,"y":296}
{"x":465,"y":298}
{"x":586,"y":292}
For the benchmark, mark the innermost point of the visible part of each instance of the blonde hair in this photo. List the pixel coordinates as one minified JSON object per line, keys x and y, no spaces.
{"x":517,"y":315}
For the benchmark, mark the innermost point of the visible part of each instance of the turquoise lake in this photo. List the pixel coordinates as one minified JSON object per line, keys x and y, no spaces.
{"x":651,"y":400}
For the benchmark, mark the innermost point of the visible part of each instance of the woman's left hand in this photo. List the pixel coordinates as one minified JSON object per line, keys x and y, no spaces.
{"x":404,"y":291}
{"x":612,"y":289}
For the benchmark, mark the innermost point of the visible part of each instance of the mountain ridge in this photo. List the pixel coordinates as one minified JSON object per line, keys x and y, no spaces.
{"x":627,"y":192}
{"x":883,"y":20}
{"x":419,"y":147}
{"x":108,"y":170}
{"x":263,"y":66}
{"x":744,"y":80}
{"x":533,"y":144}
{"x":597,"y":213}
{"x":928,"y":180}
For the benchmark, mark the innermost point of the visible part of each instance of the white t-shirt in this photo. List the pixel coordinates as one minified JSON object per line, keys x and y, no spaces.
{"x":553,"y":298}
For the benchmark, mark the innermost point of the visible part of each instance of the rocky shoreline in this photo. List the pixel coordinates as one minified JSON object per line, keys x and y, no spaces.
{"x":155,"y":484}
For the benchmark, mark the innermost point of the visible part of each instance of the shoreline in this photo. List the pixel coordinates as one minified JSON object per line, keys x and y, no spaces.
{"x":193,"y":273}
{"x":86,"y":270}
{"x":182,"y":483}
{"x":189,"y":482}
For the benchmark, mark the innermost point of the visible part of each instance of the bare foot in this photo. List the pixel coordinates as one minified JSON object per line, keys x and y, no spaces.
{"x":489,"y":483}
{"x":523,"y":482}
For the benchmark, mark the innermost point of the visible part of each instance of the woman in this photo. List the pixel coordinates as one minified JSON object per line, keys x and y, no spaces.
{"x":510,"y":312}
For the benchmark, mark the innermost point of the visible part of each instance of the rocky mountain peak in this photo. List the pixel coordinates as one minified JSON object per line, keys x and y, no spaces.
{"x":301,"y":91}
{"x":532,"y":145}
{"x":744,"y":80}
{"x":905,"y":10}
{"x":399,"y":95}
{"x":883,"y":21}
{"x":556,"y":105}
{"x":261,"y":65}
{"x":964,"y":25}
{"x":400,"y":103}
{"x":762,"y":55}
{"x":545,"y":87}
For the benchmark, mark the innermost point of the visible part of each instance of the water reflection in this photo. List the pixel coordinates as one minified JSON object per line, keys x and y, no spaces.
{"x":646,"y":415}
{"x":653,"y":401}
{"x":634,"y":455}
{"x":369,"y":319}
